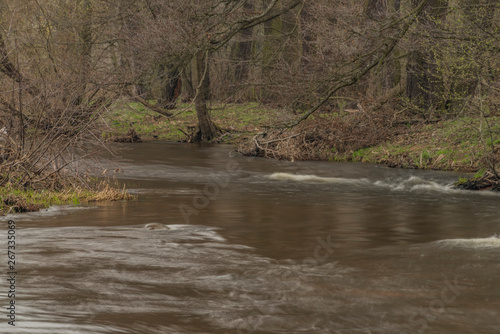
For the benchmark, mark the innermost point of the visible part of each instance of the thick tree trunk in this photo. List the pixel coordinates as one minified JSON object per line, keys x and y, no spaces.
{"x":241,"y":53}
{"x":308,"y":38}
{"x":382,"y":84}
{"x":423,"y":87}
{"x":206,"y":128}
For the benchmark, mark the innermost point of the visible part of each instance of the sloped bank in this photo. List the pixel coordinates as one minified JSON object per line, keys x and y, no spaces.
{"x":382,"y":137}
{"x":448,"y":145}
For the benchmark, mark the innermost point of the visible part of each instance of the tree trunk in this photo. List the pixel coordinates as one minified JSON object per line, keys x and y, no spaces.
{"x":243,"y":50}
{"x":188,"y":91}
{"x":241,"y":54}
{"x":170,"y":87}
{"x":480,"y":14}
{"x":424,"y":86}
{"x":8,"y":68}
{"x":421,"y":85}
{"x":85,"y":36}
{"x":382,"y":84}
{"x":206,"y":128}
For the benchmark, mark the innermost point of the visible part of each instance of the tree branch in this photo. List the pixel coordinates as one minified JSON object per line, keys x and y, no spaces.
{"x":360,"y":71}
{"x":148,"y":105}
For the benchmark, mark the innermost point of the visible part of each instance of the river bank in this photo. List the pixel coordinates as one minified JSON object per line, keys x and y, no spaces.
{"x":461,"y":144}
{"x":15,"y":199}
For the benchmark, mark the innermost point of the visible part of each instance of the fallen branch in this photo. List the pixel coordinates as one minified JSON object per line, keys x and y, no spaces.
{"x":148,"y":105}
{"x":280,"y":139}
{"x":416,"y":121}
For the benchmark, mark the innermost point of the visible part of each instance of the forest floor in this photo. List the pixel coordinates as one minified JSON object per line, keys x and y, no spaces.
{"x":238,"y":122}
{"x":463,"y":144}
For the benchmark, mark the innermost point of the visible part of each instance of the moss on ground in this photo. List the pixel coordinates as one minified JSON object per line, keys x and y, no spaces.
{"x":237,"y":121}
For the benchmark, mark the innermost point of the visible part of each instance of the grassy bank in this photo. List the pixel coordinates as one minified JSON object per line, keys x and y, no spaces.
{"x":15,"y":199}
{"x":460,"y":144}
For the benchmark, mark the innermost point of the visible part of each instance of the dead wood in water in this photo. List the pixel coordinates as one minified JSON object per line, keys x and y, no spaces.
{"x":487,"y":182}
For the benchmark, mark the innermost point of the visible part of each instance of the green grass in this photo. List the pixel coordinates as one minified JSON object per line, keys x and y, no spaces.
{"x":448,"y":145}
{"x":29,"y":197}
{"x":14,"y":199}
{"x":480,"y":173}
{"x":239,"y":121}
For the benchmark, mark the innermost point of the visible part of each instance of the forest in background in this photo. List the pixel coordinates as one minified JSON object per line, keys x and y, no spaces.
{"x":346,"y":74}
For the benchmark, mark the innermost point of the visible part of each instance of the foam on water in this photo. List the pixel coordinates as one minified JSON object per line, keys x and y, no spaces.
{"x":314,"y":178}
{"x":414,"y":183}
{"x":411,"y":184}
{"x":155,"y":226}
{"x":475,"y":243}
{"x":49,"y":212}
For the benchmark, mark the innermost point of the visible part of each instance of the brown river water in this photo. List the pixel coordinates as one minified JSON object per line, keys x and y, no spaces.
{"x":250,"y":245}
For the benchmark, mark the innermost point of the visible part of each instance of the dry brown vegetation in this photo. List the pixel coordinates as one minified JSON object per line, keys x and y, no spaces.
{"x":326,"y":136}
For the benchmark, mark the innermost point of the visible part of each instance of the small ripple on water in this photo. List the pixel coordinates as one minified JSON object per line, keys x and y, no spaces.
{"x":75,"y":277}
{"x":188,"y":270}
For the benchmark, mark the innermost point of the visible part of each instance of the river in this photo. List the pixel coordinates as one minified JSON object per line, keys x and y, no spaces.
{"x":250,"y":245}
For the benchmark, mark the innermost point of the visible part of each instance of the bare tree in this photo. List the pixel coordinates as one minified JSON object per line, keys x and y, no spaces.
{"x":57,"y":79}
{"x":179,"y":33}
